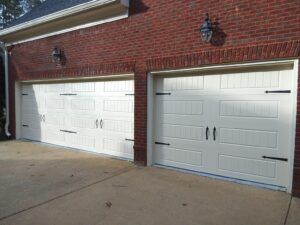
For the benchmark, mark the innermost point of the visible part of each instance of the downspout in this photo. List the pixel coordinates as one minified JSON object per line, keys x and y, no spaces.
{"x":5,"y":61}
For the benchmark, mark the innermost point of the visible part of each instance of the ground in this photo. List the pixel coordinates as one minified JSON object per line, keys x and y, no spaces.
{"x":42,"y":184}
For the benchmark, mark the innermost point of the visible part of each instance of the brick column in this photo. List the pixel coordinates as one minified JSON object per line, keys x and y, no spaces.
{"x":140,"y":111}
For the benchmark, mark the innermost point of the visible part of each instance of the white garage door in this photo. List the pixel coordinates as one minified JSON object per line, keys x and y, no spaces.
{"x":235,"y":125}
{"x":93,"y":116}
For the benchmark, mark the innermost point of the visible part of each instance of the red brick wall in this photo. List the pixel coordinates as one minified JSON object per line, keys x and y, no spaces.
{"x":164,"y":35}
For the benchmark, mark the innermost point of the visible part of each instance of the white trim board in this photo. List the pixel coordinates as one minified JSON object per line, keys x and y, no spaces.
{"x":78,"y":79}
{"x":184,"y":72}
{"x":119,"y":17}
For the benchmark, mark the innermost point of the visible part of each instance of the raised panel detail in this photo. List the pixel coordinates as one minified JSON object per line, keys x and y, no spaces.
{"x":255,"y":138}
{"x":83,"y":104}
{"x":55,"y":119}
{"x":179,"y":156}
{"x":182,"y":132}
{"x":55,"y":103}
{"x":182,"y":107}
{"x":247,"y":166}
{"x":118,"y":126}
{"x":250,"y":80}
{"x":118,"y":106}
{"x":118,"y":86}
{"x":33,"y":120}
{"x":29,"y":105}
{"x":259,"y":109}
{"x":83,"y":87}
{"x":183,"y":83}
{"x":54,"y":136}
{"x":82,"y":140}
{"x":83,"y":122}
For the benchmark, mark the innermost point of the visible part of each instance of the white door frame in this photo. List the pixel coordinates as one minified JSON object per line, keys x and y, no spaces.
{"x":183,"y":72}
{"x":18,"y":91}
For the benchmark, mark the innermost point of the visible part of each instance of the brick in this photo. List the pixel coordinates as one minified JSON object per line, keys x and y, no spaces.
{"x":160,"y":35}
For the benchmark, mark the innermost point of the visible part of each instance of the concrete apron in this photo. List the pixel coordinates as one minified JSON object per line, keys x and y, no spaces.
{"x":128,"y":195}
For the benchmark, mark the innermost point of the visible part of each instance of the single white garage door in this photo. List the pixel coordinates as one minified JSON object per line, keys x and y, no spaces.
{"x":235,"y":125}
{"x":92,"y":116}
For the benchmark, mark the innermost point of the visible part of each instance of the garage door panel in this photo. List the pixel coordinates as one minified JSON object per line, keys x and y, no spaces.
{"x":55,"y":136}
{"x":89,"y":87}
{"x":86,"y":104}
{"x":32,"y":133}
{"x":78,"y":114}
{"x":118,"y":88}
{"x":249,"y":108}
{"x":244,"y":124}
{"x":83,"y":122}
{"x":118,"y":147}
{"x":248,"y":166}
{"x":178,"y":158}
{"x":245,"y":137}
{"x":182,"y":132}
{"x":81,"y":140}
{"x":181,"y":120}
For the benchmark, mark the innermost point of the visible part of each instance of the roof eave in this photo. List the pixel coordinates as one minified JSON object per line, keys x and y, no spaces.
{"x":61,"y":14}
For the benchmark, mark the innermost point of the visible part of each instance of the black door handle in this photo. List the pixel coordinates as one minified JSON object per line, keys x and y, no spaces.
{"x":215,"y":130}
{"x":101,"y":123}
{"x":206,"y":133}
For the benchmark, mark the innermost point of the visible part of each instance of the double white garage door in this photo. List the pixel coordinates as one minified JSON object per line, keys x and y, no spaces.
{"x":93,"y":116}
{"x":234,"y":125}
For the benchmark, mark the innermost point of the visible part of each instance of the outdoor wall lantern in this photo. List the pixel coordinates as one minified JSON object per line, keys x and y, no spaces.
{"x":56,"y":55}
{"x":206,"y":29}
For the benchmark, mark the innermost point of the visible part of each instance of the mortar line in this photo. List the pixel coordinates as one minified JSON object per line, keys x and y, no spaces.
{"x":288,"y":211}
{"x":122,"y":171}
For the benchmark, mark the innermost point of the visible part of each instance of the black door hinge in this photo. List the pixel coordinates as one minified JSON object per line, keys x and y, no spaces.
{"x":129,"y":139}
{"x":161,"y":143}
{"x":275,"y":158}
{"x":161,"y":93}
{"x":278,"y":92}
{"x":67,"y":131}
{"x":67,"y":94}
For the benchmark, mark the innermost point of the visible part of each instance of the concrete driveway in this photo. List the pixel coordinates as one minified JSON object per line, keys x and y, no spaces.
{"x":42,"y":184}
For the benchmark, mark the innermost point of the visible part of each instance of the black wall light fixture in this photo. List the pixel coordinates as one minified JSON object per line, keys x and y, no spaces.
{"x":56,"y":55}
{"x":206,"y":29}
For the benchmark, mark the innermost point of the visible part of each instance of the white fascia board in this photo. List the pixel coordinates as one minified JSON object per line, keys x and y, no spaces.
{"x":61,"y":14}
{"x":118,"y":17}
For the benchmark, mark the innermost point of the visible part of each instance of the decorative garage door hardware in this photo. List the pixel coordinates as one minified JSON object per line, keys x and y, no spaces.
{"x":68,"y":94}
{"x":206,"y":132}
{"x":99,"y":123}
{"x":161,"y":143}
{"x":214,"y":133}
{"x":24,"y":125}
{"x":275,"y":158}
{"x":129,"y":139}
{"x":278,"y":92}
{"x":42,"y":118}
{"x":129,"y":94}
{"x":161,"y":93}
{"x":67,"y":131}
{"x":24,"y":94}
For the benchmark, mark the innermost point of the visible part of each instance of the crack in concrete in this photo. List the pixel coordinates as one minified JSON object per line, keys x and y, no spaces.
{"x":288,"y":211}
